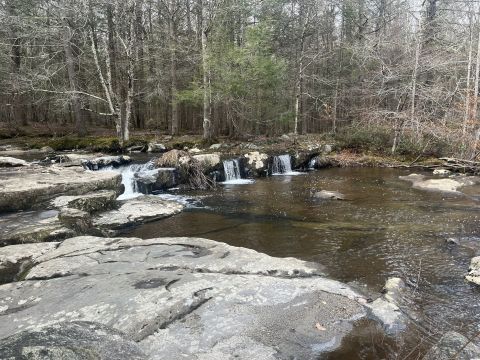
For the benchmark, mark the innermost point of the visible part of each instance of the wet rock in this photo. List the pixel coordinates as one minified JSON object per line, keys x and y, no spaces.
{"x":32,"y":228}
{"x":386,"y":308}
{"x":220,"y":300}
{"x":11,"y":162}
{"x":14,"y":258}
{"x":453,"y":241}
{"x":69,"y":160}
{"x":321,"y":162}
{"x":135,"y":212}
{"x":453,"y":345}
{"x":91,"y":203}
{"x":28,"y":187}
{"x":70,"y":340}
{"x":106,"y":161}
{"x":474,"y":271}
{"x":441,"y":172}
{"x":156,"y":148}
{"x":256,"y":164}
{"x":329,"y":195}
{"x":157,"y":180}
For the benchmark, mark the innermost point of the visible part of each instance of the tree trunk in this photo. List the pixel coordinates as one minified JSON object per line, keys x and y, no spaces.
{"x":72,"y":78}
{"x":173,"y":68}
{"x":207,"y":123}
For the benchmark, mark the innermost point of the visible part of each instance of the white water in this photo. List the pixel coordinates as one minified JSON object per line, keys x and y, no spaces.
{"x":128,"y":178}
{"x":282,"y":165}
{"x":233,"y":175}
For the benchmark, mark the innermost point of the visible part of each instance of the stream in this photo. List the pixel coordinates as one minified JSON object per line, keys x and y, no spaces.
{"x":384,"y":229}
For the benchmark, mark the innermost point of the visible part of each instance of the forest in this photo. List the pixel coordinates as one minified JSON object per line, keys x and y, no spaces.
{"x":404,"y":70}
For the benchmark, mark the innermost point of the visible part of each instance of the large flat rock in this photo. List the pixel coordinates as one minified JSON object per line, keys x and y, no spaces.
{"x":27,"y":187}
{"x":184,"y":298}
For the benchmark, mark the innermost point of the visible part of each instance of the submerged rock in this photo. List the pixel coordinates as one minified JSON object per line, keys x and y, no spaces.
{"x":453,"y":345}
{"x":473,"y":275}
{"x":14,"y":258}
{"x":11,"y":162}
{"x":185,"y":298}
{"x":135,"y":212}
{"x":28,"y":187}
{"x":329,"y":195}
{"x":76,"y":340}
{"x":442,"y":185}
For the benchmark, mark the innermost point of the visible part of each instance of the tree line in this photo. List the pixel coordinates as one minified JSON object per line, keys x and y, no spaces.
{"x":244,"y":67}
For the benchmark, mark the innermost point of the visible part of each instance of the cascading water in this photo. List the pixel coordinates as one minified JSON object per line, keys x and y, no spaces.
{"x":282,"y":165}
{"x":128,"y":178}
{"x":233,"y":174}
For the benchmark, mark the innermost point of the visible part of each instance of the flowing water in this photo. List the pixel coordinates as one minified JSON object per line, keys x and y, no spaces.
{"x":233,"y":173}
{"x":384,"y":229}
{"x":282,"y":165}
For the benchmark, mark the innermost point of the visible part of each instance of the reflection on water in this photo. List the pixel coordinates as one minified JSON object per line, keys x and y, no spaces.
{"x":384,"y":229}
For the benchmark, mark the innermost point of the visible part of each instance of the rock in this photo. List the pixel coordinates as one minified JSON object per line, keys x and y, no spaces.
{"x":285,"y":137}
{"x":106,"y":161}
{"x":156,"y":148}
{"x":474,"y":271}
{"x":185,"y":298}
{"x":11,"y":162}
{"x":136,"y":149}
{"x":453,"y":345}
{"x":14,"y":258}
{"x":321,"y":162}
{"x":76,"y":340}
{"x":257,"y":164}
{"x":47,"y":149}
{"x":195,"y":150}
{"x":135,"y":212}
{"x":442,"y":172}
{"x":327,"y":149}
{"x":215,"y":146}
{"x":453,"y":241}
{"x":69,"y":160}
{"x":91,"y":203}
{"x":386,"y":308}
{"x":208,"y":161}
{"x":157,"y":180}
{"x":329,"y":195}
{"x":27,"y":187}
{"x":442,"y":185}
{"x":76,"y":220}
{"x":32,"y":227}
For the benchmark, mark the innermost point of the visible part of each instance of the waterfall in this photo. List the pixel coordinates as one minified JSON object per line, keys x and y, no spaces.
{"x":313,"y":163}
{"x":128,"y":178}
{"x":232,"y":170}
{"x":233,"y":175}
{"x":282,"y":165}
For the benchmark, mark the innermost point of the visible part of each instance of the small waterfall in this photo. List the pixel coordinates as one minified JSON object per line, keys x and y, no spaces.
{"x":233,"y":174}
{"x":232,"y":170}
{"x":128,"y":178}
{"x":281,"y":165}
{"x":312,"y":163}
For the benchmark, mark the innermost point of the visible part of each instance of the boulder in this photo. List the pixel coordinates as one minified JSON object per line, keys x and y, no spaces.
{"x":185,"y":298}
{"x":441,"y":172}
{"x":386,"y":308}
{"x":157,"y":180}
{"x":328,"y":195}
{"x":32,"y":227}
{"x":11,"y":162}
{"x":106,"y":161}
{"x":453,"y":345}
{"x":208,"y":161}
{"x":77,"y":340}
{"x":156,"y":148}
{"x":135,"y":212}
{"x":91,"y":203}
{"x":256,"y":164}
{"x":28,"y":187}
{"x":473,"y":275}
{"x":15,"y":258}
